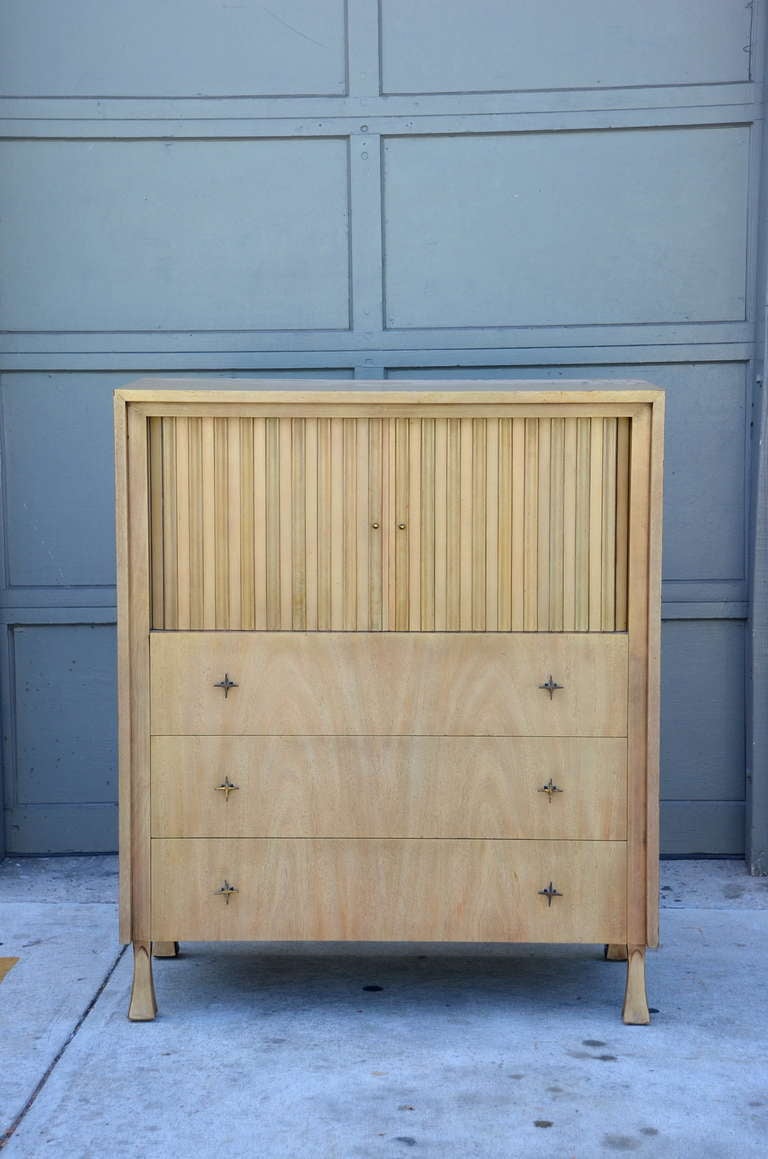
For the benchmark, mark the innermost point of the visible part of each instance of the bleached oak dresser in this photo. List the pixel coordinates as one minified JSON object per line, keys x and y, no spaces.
{"x":388,"y":667}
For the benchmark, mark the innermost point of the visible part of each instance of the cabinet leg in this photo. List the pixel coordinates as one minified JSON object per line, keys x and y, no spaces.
{"x":165,"y":949}
{"x":635,"y":1012}
{"x":143,"y":1007}
{"x":615,"y":953}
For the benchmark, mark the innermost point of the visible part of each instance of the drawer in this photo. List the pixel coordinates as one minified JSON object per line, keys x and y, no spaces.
{"x":360,"y":683}
{"x":388,"y":890}
{"x":349,"y":786}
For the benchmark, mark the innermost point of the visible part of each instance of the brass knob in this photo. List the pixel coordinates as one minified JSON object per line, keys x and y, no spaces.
{"x":550,"y":892}
{"x":226,"y":890}
{"x":551,"y":686}
{"x":375,"y":526}
{"x":549,"y":789}
{"x":226,"y":684}
{"x":401,"y":526}
{"x":226,"y":787}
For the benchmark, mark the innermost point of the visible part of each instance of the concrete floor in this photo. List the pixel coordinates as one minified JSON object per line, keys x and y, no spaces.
{"x":362,"y":1052}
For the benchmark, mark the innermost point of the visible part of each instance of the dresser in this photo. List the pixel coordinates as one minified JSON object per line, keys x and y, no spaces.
{"x":388,"y":666}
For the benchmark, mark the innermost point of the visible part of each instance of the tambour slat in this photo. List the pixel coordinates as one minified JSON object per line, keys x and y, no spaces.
{"x":453,"y":517}
{"x":155,"y":454}
{"x":622,"y":522}
{"x":324,"y":524}
{"x":272,"y":552}
{"x":491,"y":619}
{"x":427,"y":544}
{"x":479,"y":537}
{"x":233,"y":523}
{"x":556,"y":522}
{"x":298,"y":525}
{"x":182,"y":524}
{"x":349,"y":524}
{"x":441,"y":525}
{"x":543,"y":518}
{"x":531,"y":533}
{"x":465,"y":531}
{"x":285,"y":474}
{"x":259,"y":523}
{"x":608,"y":552}
{"x":337,"y":525}
{"x":399,"y":530}
{"x":517,"y":598}
{"x":293,"y":523}
{"x":170,"y":558}
{"x":504,"y":524}
{"x":310,"y":523}
{"x":196,"y":558}
{"x":581,"y":577}
{"x":221,"y":520}
{"x":570,"y":477}
{"x":413,"y":530}
{"x":362,"y":530}
{"x":247,"y":525}
{"x":596,"y":525}
{"x":375,"y":516}
{"x":208,"y":454}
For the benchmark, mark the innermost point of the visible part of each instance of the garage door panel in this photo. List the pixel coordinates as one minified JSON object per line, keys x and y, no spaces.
{"x":59,"y":472}
{"x":188,"y":48}
{"x":702,"y":717}
{"x":570,"y":228}
{"x":705,"y":474}
{"x":433,"y":46}
{"x":175,"y":235}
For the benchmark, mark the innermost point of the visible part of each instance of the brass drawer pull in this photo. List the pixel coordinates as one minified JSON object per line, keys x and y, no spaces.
{"x":550,"y":686}
{"x":226,"y":684}
{"x":226,"y":890}
{"x":550,"y":892}
{"x":226,"y":787}
{"x":549,"y":789}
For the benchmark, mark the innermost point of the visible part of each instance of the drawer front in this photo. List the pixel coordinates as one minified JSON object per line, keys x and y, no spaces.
{"x":388,"y":890}
{"x":359,"y":683}
{"x":320,"y":786}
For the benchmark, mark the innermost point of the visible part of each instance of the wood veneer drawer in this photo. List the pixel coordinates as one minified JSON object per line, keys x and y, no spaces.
{"x":320,"y":786}
{"x":388,"y":890}
{"x":368,"y":683}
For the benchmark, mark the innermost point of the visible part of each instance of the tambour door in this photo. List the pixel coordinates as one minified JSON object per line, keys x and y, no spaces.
{"x":313,"y":523}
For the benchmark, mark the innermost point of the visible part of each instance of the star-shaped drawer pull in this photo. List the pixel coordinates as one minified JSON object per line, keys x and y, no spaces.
{"x":550,"y":686}
{"x":226,"y":891}
{"x":226,"y":787}
{"x":550,"y":892}
{"x":550,"y":788}
{"x":226,"y":684}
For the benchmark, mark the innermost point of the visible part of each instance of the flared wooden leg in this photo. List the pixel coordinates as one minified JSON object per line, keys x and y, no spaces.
{"x":615,"y":953}
{"x":165,"y":949}
{"x":635,"y":1011}
{"x":143,"y":1007}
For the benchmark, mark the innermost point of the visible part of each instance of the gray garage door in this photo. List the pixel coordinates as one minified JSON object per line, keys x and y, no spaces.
{"x":404,"y":189}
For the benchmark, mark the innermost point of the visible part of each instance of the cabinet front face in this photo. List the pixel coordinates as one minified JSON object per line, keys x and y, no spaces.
{"x":389,"y":890}
{"x":389,"y":786}
{"x":395,"y":524}
{"x":388,"y":666}
{"x":412,"y":684}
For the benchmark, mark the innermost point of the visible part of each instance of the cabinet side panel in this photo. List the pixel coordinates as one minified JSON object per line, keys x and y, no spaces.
{"x":654,"y":660}
{"x":137,"y":827}
{"x":123,"y":663}
{"x":637,"y":707}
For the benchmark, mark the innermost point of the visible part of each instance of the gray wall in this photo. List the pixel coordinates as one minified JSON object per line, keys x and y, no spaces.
{"x":410,"y":189}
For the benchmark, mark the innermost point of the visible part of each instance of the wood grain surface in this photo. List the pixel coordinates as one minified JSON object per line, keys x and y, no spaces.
{"x":388,"y":890}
